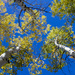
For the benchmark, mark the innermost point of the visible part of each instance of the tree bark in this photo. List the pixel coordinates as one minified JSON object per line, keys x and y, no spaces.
{"x":69,"y":50}
{"x":4,"y":58}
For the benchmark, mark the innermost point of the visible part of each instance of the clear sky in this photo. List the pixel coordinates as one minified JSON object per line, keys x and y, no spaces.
{"x":53,"y":21}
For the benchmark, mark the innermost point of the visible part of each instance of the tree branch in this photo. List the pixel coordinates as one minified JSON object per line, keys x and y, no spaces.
{"x":40,"y":9}
{"x":4,"y":58}
{"x":71,"y":52}
{"x":28,"y":3}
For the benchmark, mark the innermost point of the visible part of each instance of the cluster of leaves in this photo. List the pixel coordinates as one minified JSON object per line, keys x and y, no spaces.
{"x":52,"y":52}
{"x":7,"y":26}
{"x":34,"y":28}
{"x":36,"y":65}
{"x":63,"y":8}
{"x":2,"y":7}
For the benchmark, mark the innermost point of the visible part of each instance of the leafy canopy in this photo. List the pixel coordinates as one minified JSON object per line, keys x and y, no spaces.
{"x":13,"y":34}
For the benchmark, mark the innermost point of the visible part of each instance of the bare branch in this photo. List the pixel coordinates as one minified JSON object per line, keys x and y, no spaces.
{"x":19,"y":19}
{"x":28,"y":3}
{"x":40,"y":9}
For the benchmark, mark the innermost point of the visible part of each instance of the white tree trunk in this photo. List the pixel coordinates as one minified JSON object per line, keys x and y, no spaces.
{"x":4,"y":58}
{"x":71,"y":52}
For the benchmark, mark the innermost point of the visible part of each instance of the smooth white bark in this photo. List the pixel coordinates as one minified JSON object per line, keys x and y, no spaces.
{"x":64,"y":47}
{"x":5,"y":56}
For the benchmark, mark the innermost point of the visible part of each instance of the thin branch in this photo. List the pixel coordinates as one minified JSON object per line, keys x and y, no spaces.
{"x":28,"y":3}
{"x":40,"y":9}
{"x":19,"y":19}
{"x":47,"y":6}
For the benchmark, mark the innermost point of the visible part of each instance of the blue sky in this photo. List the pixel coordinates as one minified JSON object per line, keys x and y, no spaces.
{"x":53,"y":21}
